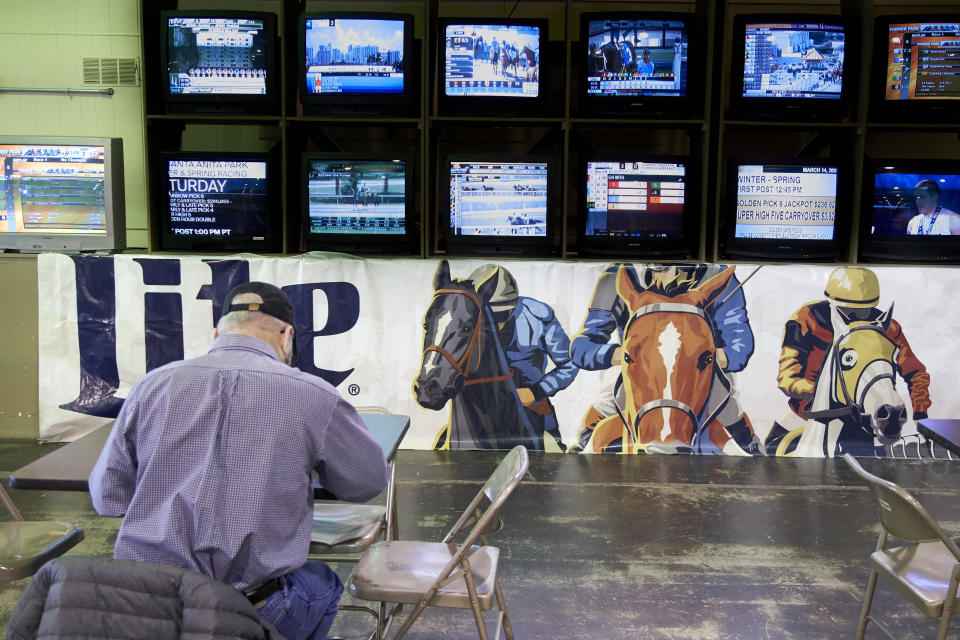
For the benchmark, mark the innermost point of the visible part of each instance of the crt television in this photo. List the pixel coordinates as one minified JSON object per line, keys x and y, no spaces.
{"x":791,"y":67}
{"x":355,"y":62}
{"x":212,"y":201}
{"x":358,"y":203}
{"x":911,"y":211}
{"x":917,"y":63}
{"x":498,"y":205}
{"x":636,"y":63}
{"x":219,"y":61}
{"x":785,"y":209}
{"x":61,"y":194}
{"x":493,"y":66}
{"x":641,"y":207}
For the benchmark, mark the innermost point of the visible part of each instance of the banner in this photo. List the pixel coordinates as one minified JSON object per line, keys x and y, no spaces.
{"x":576,"y":356}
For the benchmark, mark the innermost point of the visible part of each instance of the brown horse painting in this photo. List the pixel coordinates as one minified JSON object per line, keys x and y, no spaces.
{"x":667,"y":371}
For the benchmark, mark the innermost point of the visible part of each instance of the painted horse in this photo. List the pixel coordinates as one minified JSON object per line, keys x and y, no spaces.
{"x":463,"y":362}
{"x":667,"y":373}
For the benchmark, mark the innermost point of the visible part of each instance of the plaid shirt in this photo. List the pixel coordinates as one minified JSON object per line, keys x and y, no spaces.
{"x":210,"y":460}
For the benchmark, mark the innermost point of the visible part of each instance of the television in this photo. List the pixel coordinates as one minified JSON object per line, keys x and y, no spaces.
{"x":792,"y":67}
{"x":357,"y":63}
{"x":493,"y":67}
{"x":61,"y":194}
{"x":917,"y":64}
{"x":219,"y":61}
{"x":638,"y":207}
{"x":636,"y":64}
{"x":359,"y":203}
{"x":498,"y":205}
{"x":911,"y":211}
{"x":785,"y":209}
{"x":213,"y":201}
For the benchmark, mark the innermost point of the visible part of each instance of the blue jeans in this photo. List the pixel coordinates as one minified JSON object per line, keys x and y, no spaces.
{"x":305,"y":607}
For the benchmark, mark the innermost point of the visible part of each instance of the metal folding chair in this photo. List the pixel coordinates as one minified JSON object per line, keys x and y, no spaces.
{"x":26,"y":545}
{"x":446,"y":574}
{"x":926,"y":572}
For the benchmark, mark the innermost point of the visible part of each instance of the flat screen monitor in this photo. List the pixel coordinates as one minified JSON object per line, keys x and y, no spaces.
{"x":911,"y":211}
{"x":357,"y":62}
{"x":219,"y":202}
{"x":635,"y":63}
{"x":359,"y":203}
{"x":637,"y":207}
{"x":791,"y":67}
{"x":499,"y":205}
{"x":785,"y":209}
{"x":492,"y":66}
{"x":61,"y":194}
{"x":918,"y":63}
{"x":219,"y":61}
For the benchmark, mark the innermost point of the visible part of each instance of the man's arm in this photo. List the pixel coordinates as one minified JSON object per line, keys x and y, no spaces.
{"x":912,"y":370}
{"x":114,"y":477}
{"x":354,"y":468}
{"x":557,"y":345}
{"x":733,"y":326}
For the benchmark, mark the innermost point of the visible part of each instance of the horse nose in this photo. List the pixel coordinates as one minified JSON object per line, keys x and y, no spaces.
{"x":890,"y":419}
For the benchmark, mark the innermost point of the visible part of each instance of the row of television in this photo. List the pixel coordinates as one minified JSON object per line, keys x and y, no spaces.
{"x":785,"y":66}
{"x":66,"y":194}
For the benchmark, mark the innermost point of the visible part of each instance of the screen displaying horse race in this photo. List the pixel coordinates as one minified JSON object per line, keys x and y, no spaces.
{"x":631,"y":199}
{"x":216,"y":56}
{"x":365,"y":197}
{"x":636,"y":57}
{"x":787,"y":202}
{"x":498,"y":199}
{"x":923,"y":61}
{"x":911,"y":201}
{"x":354,"y":56}
{"x":484,"y":60}
{"x":52,"y":189}
{"x":793,"y":60}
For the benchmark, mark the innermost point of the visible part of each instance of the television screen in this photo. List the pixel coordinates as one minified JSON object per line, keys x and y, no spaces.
{"x":506,"y":199}
{"x":913,"y":201}
{"x":786,"y":202}
{"x":354,"y":56}
{"x":214,"y":60}
{"x":490,"y":59}
{"x":633,"y":56}
{"x":218,"y":201}
{"x":922,"y":60}
{"x":61,"y":194}
{"x":793,"y":60}
{"x":635,"y":199}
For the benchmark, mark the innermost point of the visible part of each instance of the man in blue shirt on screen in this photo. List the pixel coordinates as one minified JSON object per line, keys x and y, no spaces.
{"x":210,"y":459}
{"x":645,"y":66}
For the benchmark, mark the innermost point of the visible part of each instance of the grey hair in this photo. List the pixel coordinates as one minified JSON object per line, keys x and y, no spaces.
{"x":236,"y":321}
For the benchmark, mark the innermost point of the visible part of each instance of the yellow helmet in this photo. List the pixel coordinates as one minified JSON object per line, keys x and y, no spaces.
{"x":854,"y":287}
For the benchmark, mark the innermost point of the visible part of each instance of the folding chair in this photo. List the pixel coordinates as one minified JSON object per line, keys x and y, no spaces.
{"x":445,"y":574}
{"x":927,"y":572}
{"x":25,"y":546}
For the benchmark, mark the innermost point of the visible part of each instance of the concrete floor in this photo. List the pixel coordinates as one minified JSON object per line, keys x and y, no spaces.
{"x":646,"y":547}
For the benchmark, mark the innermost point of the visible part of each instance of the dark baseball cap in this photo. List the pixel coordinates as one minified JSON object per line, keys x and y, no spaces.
{"x":275,"y":302}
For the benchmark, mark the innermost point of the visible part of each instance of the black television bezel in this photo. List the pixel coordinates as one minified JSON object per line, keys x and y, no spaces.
{"x":407,"y":243}
{"x":903,"y":248}
{"x":649,"y":106}
{"x":494,"y":105}
{"x":675,"y":247}
{"x":944,"y":110}
{"x":272,"y":242}
{"x":498,"y":246}
{"x":229,"y":104}
{"x":789,"y":109}
{"x":359,"y":104}
{"x":778,"y":249}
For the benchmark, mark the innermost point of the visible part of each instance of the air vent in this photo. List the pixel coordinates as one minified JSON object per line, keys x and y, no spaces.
{"x":110,"y":72}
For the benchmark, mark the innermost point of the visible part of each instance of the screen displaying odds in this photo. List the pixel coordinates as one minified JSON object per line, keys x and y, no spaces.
{"x":498,"y":199}
{"x":216,"y":56}
{"x":52,"y":189}
{"x":786,"y":202}
{"x":211,"y":199}
{"x":638,"y":199}
{"x":923,"y":61}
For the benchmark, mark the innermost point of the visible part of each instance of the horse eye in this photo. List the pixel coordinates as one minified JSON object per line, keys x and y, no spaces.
{"x":848,"y":358}
{"x":627,"y":358}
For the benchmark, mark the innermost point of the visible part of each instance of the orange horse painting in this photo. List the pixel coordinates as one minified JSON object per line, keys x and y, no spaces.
{"x":667,"y":371}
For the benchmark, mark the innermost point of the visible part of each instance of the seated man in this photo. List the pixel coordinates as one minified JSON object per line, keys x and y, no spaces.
{"x":210,"y":460}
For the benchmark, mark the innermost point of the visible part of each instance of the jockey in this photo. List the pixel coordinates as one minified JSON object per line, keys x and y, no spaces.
{"x":591,"y":348}
{"x":530,"y":334}
{"x":808,"y":337}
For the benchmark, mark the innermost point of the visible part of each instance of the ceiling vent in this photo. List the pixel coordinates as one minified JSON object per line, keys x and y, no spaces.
{"x":110,"y":72}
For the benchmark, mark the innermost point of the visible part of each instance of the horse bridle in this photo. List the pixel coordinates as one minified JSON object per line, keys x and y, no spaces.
{"x":664,"y":403}
{"x":462,"y":366}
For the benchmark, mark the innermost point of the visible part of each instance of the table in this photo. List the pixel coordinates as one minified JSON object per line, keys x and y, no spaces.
{"x":945,"y":432}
